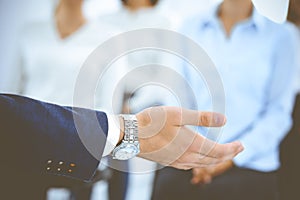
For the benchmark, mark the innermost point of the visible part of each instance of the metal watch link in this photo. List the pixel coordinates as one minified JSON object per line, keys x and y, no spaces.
{"x":129,"y":146}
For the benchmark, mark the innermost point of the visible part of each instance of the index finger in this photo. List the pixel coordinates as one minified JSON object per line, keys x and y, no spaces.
{"x":198,"y":118}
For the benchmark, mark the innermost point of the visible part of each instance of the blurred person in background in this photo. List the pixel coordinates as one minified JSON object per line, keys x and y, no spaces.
{"x":289,"y":172}
{"x":51,"y":53}
{"x":257,"y":61}
{"x":178,"y":11}
{"x":134,"y":15}
{"x":15,"y":14}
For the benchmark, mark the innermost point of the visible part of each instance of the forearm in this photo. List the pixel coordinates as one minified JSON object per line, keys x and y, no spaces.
{"x":41,"y":135}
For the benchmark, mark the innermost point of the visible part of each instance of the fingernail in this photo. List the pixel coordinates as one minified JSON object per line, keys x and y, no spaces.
{"x":220,"y":119}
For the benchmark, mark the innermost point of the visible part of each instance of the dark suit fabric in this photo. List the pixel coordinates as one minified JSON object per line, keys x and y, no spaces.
{"x":40,"y":146}
{"x":289,"y":175}
{"x":235,"y":184}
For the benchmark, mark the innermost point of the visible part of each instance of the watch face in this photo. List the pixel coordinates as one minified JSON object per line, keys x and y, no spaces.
{"x":126,"y":151}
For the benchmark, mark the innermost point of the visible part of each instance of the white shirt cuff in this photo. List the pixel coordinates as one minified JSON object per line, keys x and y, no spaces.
{"x":113,"y":134}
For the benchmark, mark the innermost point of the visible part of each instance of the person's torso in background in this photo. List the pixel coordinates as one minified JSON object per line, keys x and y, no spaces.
{"x":51,"y":65}
{"x":147,"y":18}
{"x":245,"y":61}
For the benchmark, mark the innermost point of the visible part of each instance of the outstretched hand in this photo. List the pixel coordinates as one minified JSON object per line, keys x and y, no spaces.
{"x":164,"y":138}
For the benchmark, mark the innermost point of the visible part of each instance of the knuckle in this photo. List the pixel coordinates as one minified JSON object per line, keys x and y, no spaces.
{"x":204,"y":120}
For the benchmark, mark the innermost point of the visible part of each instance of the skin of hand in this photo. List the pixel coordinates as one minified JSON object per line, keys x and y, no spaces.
{"x":165,"y":139}
{"x":205,"y":175}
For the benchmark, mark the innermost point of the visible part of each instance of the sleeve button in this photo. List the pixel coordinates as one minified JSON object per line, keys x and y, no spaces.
{"x":72,"y":165}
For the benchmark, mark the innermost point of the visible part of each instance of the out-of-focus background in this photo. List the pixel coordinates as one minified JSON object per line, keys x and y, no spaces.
{"x":16,"y":13}
{"x":27,"y":41}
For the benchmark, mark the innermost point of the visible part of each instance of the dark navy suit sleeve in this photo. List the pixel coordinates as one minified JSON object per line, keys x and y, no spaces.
{"x":42,"y":138}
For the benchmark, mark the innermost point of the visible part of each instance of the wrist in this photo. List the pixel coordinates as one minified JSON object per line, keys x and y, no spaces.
{"x":128,"y":146}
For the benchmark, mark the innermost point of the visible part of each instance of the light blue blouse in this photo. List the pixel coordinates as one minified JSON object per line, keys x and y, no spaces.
{"x":257,"y":64}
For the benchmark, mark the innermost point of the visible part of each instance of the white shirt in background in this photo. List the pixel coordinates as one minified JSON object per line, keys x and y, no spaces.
{"x":142,"y":172}
{"x":47,"y":66}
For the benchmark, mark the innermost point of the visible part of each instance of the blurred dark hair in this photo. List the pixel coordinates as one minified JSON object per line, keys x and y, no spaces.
{"x":294,"y":11}
{"x":153,"y":2}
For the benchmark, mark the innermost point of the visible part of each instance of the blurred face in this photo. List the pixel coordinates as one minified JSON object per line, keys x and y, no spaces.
{"x":137,"y":4}
{"x":237,"y":6}
{"x":237,"y":1}
{"x":72,"y":2}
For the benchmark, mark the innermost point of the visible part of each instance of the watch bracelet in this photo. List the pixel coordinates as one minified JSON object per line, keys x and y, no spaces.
{"x":130,"y":128}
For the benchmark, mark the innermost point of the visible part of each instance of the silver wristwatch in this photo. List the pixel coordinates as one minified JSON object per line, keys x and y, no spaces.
{"x":129,"y":146}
